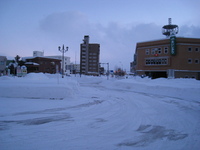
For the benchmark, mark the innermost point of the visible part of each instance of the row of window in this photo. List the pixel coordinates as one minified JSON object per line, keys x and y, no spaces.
{"x":157,"y":61}
{"x":196,"y":49}
{"x":93,"y":68}
{"x":164,"y":61}
{"x":190,"y":61}
{"x":92,"y":53}
{"x":154,"y":51}
{"x":92,"y":57}
{"x":92,"y":64}
{"x":84,"y":53}
{"x":93,"y":60}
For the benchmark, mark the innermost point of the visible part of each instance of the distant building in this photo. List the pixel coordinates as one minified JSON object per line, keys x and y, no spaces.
{"x":74,"y":68}
{"x":176,"y":57}
{"x":3,"y":61}
{"x":132,"y":66}
{"x":89,"y":57}
{"x":42,"y":64}
{"x":38,"y":53}
{"x":66,"y":62}
{"x":66,"y":59}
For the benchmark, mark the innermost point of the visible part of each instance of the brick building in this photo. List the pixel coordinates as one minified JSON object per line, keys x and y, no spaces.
{"x":42,"y":64}
{"x":176,"y":57}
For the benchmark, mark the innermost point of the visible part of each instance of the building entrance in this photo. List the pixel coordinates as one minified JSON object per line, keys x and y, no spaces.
{"x":159,"y":74}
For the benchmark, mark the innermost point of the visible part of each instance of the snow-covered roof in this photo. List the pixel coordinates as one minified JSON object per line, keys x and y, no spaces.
{"x":31,"y":63}
{"x":32,"y":57}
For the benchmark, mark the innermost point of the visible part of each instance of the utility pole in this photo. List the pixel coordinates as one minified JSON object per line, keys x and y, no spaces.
{"x":63,"y":50}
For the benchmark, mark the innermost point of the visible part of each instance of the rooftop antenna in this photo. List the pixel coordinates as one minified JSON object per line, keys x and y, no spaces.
{"x":170,"y":29}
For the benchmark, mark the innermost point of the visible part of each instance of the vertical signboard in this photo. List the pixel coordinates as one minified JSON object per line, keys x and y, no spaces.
{"x":173,"y":45}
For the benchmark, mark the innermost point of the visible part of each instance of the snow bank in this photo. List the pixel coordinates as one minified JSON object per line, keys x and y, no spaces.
{"x":52,"y":86}
{"x":161,"y":86}
{"x":38,"y":86}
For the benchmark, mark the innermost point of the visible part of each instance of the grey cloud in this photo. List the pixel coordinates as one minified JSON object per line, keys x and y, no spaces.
{"x":190,"y":31}
{"x":117,"y":40}
{"x":65,"y":24}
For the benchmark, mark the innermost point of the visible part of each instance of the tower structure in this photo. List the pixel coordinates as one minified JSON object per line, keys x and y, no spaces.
{"x":170,"y":32}
{"x":170,"y":29}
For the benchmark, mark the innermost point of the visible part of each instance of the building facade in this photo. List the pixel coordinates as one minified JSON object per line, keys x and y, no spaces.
{"x":66,"y":62}
{"x":74,"y":68}
{"x":176,"y":57}
{"x":42,"y":64}
{"x":3,"y":60}
{"x":89,"y":57}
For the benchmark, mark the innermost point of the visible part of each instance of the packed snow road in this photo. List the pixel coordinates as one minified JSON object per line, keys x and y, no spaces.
{"x":100,"y":114}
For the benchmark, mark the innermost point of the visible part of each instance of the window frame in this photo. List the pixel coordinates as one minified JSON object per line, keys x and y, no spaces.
{"x":189,"y":60}
{"x":147,"y":51}
{"x":189,"y":49}
{"x":166,"y":50}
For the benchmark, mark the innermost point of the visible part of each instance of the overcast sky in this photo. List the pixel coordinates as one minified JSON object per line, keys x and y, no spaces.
{"x":117,"y":25}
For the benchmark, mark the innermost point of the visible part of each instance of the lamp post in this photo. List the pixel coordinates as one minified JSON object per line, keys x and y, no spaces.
{"x":63,"y":50}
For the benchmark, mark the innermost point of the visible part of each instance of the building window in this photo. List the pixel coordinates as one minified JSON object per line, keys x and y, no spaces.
{"x":189,"y":49}
{"x":159,"y":51}
{"x":164,"y":61}
{"x":153,"y":51}
{"x":166,"y":50}
{"x":147,"y":51}
{"x":156,"y":61}
{"x":159,"y":61}
{"x":189,"y":60}
{"x":196,"y":49}
{"x":196,"y":61}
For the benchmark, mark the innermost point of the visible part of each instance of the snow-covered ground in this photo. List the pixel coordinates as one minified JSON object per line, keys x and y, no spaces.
{"x":43,"y":111}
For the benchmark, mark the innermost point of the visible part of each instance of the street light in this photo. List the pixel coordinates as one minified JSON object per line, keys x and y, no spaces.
{"x":63,"y":50}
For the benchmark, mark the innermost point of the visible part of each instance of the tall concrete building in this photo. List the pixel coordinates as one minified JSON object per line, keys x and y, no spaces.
{"x":89,"y":57}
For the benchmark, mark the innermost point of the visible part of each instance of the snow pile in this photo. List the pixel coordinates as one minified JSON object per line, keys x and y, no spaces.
{"x":160,"y":86}
{"x":38,"y":86}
